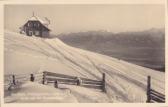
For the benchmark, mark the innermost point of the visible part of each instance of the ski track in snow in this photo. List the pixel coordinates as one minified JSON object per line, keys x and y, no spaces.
{"x":126,"y":82}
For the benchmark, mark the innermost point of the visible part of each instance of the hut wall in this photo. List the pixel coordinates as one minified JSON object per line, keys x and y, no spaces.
{"x":45,"y":34}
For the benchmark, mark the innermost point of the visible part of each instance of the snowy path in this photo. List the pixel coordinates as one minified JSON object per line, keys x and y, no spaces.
{"x":35,"y":92}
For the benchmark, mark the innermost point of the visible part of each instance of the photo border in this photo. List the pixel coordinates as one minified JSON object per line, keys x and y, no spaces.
{"x":33,"y":2}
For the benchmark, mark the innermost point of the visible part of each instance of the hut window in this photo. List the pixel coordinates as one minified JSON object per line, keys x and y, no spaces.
{"x":29,"y":24}
{"x":37,"y":33}
{"x":30,"y":33}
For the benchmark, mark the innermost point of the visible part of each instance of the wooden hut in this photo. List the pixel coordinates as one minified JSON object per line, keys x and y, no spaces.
{"x":35,"y":26}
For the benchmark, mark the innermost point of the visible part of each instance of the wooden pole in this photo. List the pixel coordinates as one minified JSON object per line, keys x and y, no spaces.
{"x":13,"y":80}
{"x":148,"y":89}
{"x":104,"y":83}
{"x":56,"y":84}
{"x":78,"y":81}
{"x":44,"y":77}
{"x":32,"y":78}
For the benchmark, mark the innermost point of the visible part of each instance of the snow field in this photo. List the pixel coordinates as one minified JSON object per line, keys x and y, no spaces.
{"x":125,"y":82}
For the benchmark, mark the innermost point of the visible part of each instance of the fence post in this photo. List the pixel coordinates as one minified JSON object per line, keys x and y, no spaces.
{"x":13,"y":80}
{"x":104,"y":83}
{"x":44,"y":77}
{"x":148,"y":89}
{"x":56,"y":84}
{"x":32,"y":78}
{"x":78,"y":81}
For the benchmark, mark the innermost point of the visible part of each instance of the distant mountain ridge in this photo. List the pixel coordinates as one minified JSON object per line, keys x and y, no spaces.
{"x":145,"y":48}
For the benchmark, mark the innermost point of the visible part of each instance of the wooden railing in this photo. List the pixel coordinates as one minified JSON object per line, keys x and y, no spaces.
{"x":49,"y":77}
{"x":152,"y":95}
{"x":55,"y":78}
{"x":14,"y":80}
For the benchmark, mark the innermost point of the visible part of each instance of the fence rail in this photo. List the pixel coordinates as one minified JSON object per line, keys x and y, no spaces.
{"x":152,"y":95}
{"x":49,"y":77}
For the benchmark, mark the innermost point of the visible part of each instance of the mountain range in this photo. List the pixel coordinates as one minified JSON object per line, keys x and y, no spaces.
{"x":145,"y":48}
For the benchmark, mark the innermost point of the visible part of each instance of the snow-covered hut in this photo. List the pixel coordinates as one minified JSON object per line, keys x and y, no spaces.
{"x":37,"y":27}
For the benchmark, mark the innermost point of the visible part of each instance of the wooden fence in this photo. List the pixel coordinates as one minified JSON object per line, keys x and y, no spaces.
{"x":15,"y":80}
{"x":49,"y":77}
{"x":55,"y":78}
{"x":152,"y":95}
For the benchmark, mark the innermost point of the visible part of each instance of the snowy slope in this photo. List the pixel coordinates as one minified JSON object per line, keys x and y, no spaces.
{"x":126,"y":82}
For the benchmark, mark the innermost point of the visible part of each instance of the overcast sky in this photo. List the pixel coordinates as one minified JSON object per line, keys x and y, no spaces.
{"x":76,"y":18}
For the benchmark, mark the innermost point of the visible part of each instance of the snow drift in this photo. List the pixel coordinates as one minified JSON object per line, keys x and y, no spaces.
{"x":126,"y":82}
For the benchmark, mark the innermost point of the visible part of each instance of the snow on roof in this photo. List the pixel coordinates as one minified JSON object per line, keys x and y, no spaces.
{"x":36,"y":18}
{"x":33,"y":18}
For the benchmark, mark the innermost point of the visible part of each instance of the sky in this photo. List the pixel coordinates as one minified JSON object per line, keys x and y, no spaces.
{"x":69,"y":18}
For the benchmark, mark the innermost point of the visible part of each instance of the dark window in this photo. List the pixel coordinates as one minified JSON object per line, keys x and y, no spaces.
{"x":37,"y":33}
{"x":30,"y":33}
{"x":29,"y":25}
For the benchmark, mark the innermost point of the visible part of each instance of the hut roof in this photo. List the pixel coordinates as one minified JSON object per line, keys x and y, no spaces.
{"x":35,"y":18}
